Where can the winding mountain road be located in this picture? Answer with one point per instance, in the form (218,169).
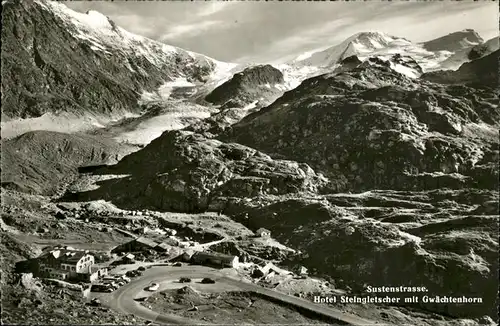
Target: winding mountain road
(123,298)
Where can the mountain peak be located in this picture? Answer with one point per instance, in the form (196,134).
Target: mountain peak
(371,39)
(454,41)
(359,43)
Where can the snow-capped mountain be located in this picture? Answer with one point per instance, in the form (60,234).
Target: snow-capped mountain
(99,66)
(358,44)
(104,35)
(447,52)
(454,41)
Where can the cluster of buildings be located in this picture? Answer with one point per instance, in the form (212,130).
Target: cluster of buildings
(66,263)
(70,264)
(144,244)
(171,245)
(212,259)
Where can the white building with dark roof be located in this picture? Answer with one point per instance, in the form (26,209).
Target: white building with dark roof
(65,263)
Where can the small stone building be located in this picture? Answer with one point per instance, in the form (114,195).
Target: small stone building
(263,233)
(300,270)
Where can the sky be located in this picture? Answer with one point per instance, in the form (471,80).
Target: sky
(258,31)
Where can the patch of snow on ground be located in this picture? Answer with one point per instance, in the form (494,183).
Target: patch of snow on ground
(407,71)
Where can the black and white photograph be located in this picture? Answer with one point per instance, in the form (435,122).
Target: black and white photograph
(250,163)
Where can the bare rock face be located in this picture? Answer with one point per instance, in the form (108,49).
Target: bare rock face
(371,127)
(484,49)
(251,84)
(183,171)
(97,69)
(391,238)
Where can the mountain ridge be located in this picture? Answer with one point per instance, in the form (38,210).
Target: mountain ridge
(109,68)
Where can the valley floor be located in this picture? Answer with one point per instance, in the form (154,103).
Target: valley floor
(29,225)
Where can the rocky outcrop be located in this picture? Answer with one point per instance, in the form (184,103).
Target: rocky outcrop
(254,83)
(482,72)
(391,238)
(483,49)
(99,67)
(183,171)
(372,127)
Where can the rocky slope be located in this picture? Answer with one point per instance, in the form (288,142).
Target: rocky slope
(484,49)
(372,127)
(251,84)
(99,67)
(444,240)
(479,72)
(183,171)
(43,162)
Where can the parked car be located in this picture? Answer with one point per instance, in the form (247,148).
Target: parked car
(141,269)
(184,280)
(207,280)
(133,273)
(102,288)
(178,264)
(110,282)
(110,278)
(153,287)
